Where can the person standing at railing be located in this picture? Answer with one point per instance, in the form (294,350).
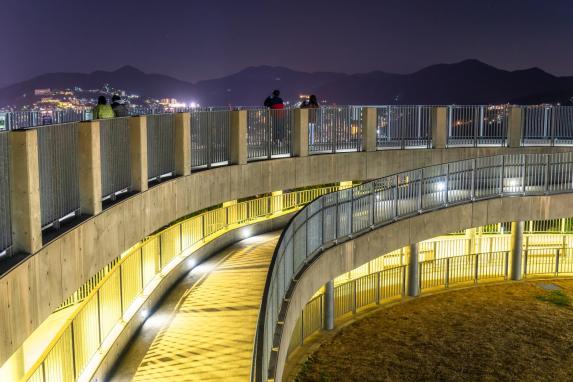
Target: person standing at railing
(119,107)
(102,109)
(277,117)
(311,103)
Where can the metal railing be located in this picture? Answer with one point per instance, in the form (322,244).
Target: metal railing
(269,133)
(389,284)
(58,156)
(118,291)
(339,216)
(25,119)
(478,125)
(547,125)
(160,145)
(403,127)
(5,211)
(334,129)
(115,156)
(210,138)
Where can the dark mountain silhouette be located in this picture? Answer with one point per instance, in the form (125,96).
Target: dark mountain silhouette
(466,82)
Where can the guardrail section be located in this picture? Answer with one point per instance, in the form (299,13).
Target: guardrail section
(210,138)
(403,127)
(160,145)
(115,158)
(59,178)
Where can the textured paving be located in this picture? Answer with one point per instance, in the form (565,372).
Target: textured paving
(208,330)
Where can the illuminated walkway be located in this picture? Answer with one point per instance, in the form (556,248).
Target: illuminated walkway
(205,329)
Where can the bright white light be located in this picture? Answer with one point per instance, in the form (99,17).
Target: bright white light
(512,183)
(192,105)
(191,263)
(440,186)
(144,313)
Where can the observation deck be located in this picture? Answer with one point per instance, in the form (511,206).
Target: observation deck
(103,217)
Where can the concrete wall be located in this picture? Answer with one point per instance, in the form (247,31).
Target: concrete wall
(40,283)
(351,254)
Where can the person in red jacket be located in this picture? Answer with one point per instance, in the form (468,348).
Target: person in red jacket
(275,101)
(277,120)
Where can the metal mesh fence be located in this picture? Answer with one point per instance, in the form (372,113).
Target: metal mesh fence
(160,145)
(5,226)
(269,133)
(334,129)
(477,125)
(59,179)
(210,136)
(403,126)
(115,156)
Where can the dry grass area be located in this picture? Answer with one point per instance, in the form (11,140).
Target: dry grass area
(505,332)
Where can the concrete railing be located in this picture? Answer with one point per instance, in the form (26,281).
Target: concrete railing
(347,214)
(75,169)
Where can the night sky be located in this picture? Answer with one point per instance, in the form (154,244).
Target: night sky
(194,40)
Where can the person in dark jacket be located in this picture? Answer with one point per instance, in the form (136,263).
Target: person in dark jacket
(102,110)
(311,103)
(119,107)
(275,101)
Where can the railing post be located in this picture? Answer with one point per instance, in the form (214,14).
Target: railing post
(447,280)
(476,271)
(369,128)
(90,168)
(138,153)
(439,127)
(354,296)
(557,255)
(378,287)
(516,250)
(238,141)
(413,288)
(328,308)
(300,133)
(183,144)
(25,203)
(516,126)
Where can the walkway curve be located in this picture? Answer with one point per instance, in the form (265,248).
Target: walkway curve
(392,212)
(205,329)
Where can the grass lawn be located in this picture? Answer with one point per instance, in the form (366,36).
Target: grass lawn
(506,332)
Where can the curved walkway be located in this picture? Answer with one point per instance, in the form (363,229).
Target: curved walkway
(205,329)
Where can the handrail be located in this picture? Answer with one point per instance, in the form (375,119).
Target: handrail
(346,214)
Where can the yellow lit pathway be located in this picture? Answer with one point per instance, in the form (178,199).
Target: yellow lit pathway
(207,334)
